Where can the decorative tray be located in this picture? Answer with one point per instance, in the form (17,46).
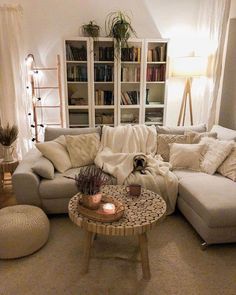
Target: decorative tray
(99,214)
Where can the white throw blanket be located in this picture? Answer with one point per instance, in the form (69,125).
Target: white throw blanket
(121,144)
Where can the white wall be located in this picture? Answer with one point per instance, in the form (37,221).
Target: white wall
(47,22)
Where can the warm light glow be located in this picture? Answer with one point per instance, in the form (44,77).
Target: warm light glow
(190,66)
(109,208)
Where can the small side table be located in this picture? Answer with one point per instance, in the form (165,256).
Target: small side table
(7,167)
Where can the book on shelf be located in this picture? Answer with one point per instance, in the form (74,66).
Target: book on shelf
(76,53)
(104,97)
(130,98)
(103,73)
(157,54)
(156,73)
(130,74)
(77,73)
(131,54)
(106,53)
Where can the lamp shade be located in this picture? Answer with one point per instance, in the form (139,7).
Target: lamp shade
(189,66)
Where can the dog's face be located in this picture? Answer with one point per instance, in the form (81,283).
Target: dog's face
(139,162)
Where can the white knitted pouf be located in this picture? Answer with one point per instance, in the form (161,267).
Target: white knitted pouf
(23,230)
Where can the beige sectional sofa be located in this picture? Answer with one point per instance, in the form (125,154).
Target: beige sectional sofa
(207,201)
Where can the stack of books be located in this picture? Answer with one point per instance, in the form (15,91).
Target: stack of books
(131,54)
(103,73)
(130,97)
(77,73)
(104,97)
(156,73)
(106,53)
(130,74)
(76,53)
(157,54)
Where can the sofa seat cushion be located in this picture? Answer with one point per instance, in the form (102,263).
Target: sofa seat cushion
(61,187)
(212,197)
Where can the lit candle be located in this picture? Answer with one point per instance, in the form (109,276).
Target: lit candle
(109,208)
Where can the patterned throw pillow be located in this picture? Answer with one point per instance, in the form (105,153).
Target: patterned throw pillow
(195,137)
(228,167)
(163,141)
(82,148)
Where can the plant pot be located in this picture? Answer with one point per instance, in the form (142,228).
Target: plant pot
(8,153)
(91,201)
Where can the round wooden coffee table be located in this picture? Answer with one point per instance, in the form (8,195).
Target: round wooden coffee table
(141,214)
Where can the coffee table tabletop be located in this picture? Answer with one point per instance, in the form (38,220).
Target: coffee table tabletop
(141,214)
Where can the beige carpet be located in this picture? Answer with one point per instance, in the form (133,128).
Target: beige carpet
(178,266)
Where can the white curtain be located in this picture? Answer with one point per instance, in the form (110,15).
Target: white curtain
(211,33)
(13,104)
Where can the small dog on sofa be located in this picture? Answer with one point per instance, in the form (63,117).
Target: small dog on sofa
(140,163)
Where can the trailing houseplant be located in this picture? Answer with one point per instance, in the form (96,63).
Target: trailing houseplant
(8,135)
(89,182)
(118,25)
(91,29)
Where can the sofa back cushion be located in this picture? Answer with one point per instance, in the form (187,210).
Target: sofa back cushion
(82,148)
(195,137)
(181,129)
(53,133)
(224,133)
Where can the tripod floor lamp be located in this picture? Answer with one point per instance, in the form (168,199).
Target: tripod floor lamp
(188,67)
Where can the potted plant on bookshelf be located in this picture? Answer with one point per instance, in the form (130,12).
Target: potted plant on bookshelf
(91,29)
(89,182)
(118,25)
(8,135)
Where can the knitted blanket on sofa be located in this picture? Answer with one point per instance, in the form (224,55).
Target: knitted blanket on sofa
(119,147)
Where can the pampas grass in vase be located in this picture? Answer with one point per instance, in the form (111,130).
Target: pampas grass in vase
(8,136)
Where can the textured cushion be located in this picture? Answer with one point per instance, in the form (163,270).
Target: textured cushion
(187,156)
(224,133)
(53,133)
(212,197)
(163,141)
(180,129)
(216,153)
(82,148)
(56,152)
(44,168)
(228,167)
(195,137)
(23,230)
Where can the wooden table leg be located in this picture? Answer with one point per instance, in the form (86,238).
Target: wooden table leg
(143,244)
(87,250)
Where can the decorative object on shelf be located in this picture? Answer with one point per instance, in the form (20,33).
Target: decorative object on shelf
(8,135)
(188,67)
(91,29)
(118,25)
(109,209)
(89,182)
(134,190)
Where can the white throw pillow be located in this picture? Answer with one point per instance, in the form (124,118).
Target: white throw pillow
(44,168)
(195,137)
(82,148)
(228,167)
(216,153)
(56,152)
(187,156)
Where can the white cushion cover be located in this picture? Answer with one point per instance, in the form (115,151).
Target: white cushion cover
(216,153)
(228,167)
(224,133)
(180,129)
(44,168)
(56,152)
(82,148)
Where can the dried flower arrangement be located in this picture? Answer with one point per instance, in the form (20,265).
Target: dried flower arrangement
(90,179)
(8,134)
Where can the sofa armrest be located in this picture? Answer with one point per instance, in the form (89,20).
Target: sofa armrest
(25,182)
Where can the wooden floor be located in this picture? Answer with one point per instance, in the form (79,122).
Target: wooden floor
(7,197)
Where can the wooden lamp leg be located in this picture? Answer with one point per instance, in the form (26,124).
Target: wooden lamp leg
(186,96)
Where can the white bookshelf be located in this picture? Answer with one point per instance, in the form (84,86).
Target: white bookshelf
(114,89)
